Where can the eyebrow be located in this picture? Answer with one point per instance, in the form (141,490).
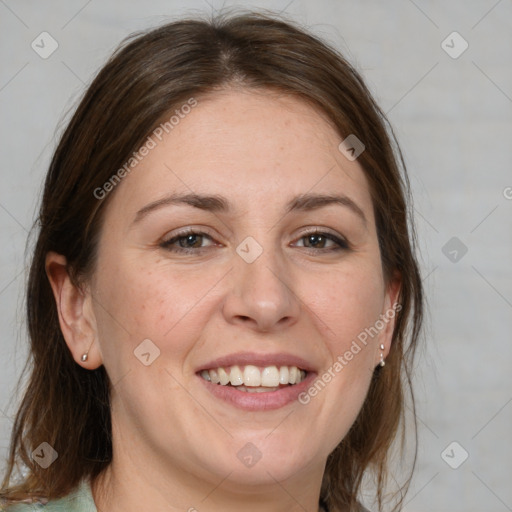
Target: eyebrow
(219,204)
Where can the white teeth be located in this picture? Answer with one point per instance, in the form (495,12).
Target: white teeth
(284,374)
(236,376)
(223,376)
(252,376)
(214,376)
(270,377)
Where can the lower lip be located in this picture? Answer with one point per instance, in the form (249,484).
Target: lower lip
(266,401)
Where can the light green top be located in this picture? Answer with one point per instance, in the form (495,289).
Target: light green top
(79,500)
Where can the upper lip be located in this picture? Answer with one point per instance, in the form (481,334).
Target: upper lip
(253,358)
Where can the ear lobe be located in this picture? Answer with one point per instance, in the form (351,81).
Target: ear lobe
(76,317)
(388,316)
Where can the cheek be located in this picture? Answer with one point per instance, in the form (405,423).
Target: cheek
(347,302)
(153,302)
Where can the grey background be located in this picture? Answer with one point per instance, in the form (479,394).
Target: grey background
(453,120)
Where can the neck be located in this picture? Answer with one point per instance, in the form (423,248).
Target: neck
(144,490)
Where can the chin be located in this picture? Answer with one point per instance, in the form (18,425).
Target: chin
(263,458)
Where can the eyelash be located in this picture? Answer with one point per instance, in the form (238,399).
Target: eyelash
(342,245)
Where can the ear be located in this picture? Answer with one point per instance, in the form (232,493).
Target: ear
(76,315)
(388,316)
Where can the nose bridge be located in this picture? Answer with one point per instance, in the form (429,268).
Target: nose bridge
(263,278)
(261,293)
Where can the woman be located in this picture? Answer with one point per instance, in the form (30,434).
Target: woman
(224,301)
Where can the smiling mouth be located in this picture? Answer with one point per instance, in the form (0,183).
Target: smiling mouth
(255,379)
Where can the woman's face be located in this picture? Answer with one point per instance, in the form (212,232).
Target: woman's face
(208,268)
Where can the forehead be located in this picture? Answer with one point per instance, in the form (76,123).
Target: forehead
(256,147)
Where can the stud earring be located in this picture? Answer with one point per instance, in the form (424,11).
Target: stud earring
(85,355)
(382,362)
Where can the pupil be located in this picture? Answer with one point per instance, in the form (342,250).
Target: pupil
(314,239)
(191,240)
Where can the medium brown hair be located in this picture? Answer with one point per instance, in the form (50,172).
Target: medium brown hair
(148,76)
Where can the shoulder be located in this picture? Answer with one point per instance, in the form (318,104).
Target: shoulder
(80,500)
(21,507)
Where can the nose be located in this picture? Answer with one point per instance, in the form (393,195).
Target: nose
(261,294)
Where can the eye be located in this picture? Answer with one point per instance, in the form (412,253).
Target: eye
(323,241)
(191,241)
(187,242)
